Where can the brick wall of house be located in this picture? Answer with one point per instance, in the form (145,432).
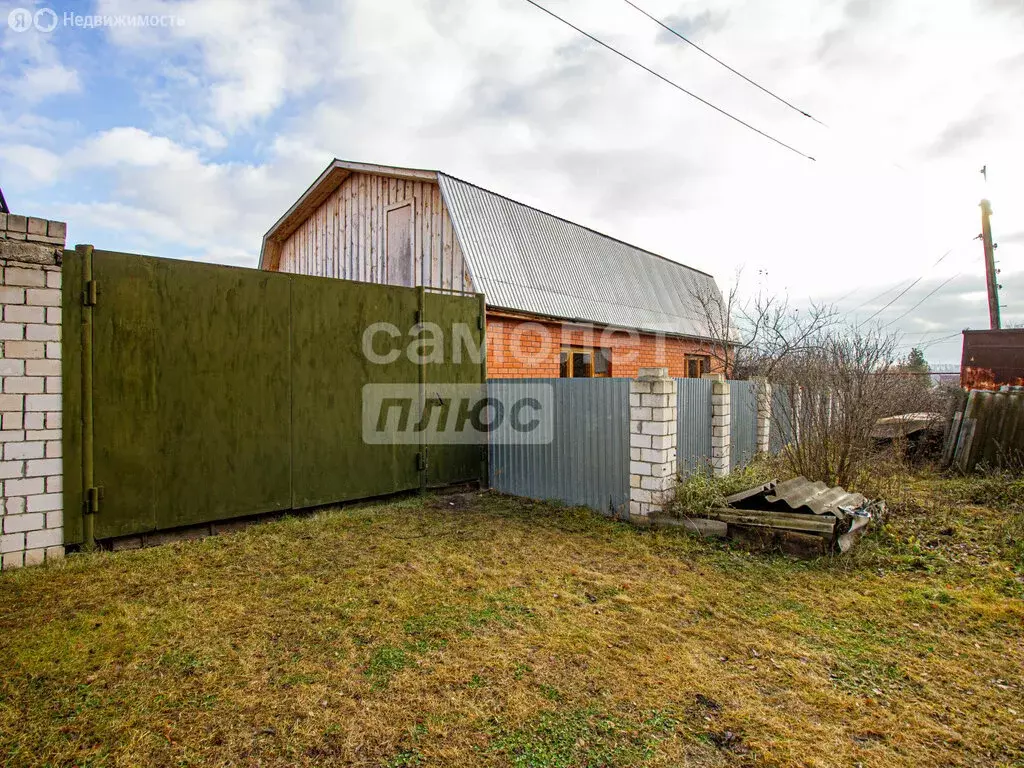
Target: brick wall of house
(519,347)
(31,498)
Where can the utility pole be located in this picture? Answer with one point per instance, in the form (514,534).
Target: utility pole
(990,266)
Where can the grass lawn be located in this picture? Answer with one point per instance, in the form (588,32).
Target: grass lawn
(481,630)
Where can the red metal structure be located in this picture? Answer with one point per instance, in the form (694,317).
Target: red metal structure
(992,359)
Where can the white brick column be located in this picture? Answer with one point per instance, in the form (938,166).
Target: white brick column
(652,441)
(31,499)
(764,414)
(721,408)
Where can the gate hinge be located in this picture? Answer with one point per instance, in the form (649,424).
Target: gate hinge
(92,500)
(421,460)
(417,317)
(480,322)
(91,293)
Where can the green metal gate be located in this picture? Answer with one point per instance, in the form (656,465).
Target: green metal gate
(201,393)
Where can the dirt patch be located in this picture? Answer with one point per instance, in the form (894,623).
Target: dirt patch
(455,502)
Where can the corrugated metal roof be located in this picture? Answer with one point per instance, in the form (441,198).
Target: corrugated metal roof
(526,260)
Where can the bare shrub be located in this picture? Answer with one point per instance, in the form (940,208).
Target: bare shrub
(833,381)
(835,392)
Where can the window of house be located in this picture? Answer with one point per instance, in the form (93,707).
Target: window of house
(585,363)
(399,245)
(697,366)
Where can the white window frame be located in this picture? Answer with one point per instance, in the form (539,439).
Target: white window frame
(410,201)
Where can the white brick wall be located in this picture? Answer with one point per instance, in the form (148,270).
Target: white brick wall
(31,501)
(652,441)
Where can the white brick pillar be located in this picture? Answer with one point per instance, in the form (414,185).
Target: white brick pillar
(721,408)
(31,499)
(764,414)
(652,441)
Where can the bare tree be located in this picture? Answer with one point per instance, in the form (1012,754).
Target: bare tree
(714,313)
(753,336)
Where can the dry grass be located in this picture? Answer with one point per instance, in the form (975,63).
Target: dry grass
(501,632)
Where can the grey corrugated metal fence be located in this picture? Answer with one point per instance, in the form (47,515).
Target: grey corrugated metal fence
(587,462)
(693,413)
(742,422)
(780,428)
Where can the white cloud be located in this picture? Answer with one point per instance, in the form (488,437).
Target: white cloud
(30,65)
(133,147)
(254,55)
(42,82)
(165,198)
(39,166)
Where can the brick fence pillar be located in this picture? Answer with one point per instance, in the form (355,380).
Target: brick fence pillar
(652,441)
(764,414)
(31,498)
(721,449)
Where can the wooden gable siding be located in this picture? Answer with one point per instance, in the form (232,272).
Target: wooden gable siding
(345,236)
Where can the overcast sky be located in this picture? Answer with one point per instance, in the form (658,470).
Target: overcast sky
(189,140)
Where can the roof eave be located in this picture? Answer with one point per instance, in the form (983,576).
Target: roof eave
(523,314)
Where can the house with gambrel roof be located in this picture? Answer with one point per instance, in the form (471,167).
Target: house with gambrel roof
(561,298)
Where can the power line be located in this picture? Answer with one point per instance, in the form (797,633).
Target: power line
(892,301)
(928,343)
(891,288)
(902,293)
(873,298)
(927,333)
(942,285)
(665,26)
(664,79)
(933,342)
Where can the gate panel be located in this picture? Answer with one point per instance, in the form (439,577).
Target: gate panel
(463,364)
(191,392)
(220,392)
(330,461)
